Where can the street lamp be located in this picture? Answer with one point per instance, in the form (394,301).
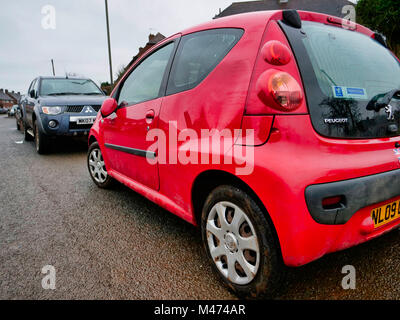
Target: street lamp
(109,44)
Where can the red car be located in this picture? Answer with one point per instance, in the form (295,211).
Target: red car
(278,133)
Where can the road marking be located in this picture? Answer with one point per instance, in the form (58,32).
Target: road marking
(19,142)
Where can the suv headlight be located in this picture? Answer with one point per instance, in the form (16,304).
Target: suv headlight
(52,110)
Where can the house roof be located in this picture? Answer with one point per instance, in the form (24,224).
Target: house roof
(153,40)
(331,7)
(4,96)
(15,95)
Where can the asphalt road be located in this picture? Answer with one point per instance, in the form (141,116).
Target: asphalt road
(117,245)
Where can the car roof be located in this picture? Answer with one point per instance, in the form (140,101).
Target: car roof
(254,19)
(67,78)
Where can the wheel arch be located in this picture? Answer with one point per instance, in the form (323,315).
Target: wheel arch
(92,139)
(207,181)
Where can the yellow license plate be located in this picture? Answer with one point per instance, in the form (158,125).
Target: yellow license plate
(385,214)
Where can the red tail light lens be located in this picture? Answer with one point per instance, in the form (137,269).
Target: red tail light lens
(279,90)
(276,53)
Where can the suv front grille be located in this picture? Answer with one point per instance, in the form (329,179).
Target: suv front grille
(78,109)
(74,109)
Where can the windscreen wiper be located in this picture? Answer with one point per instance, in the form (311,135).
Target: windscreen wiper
(64,94)
(381,101)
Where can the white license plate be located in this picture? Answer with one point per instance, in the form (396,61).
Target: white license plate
(85,120)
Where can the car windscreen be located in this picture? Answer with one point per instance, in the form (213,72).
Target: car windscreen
(54,87)
(346,76)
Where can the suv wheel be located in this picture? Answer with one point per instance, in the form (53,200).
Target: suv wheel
(240,244)
(97,167)
(41,140)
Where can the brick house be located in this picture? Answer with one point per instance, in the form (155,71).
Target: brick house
(331,7)
(6,101)
(15,96)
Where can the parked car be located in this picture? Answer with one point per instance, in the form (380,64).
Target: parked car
(56,106)
(322,172)
(18,118)
(3,110)
(12,110)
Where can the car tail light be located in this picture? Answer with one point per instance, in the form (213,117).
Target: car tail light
(279,90)
(276,53)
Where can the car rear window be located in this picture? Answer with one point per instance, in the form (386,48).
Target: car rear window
(198,54)
(344,72)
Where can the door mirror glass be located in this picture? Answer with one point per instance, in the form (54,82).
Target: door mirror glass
(108,107)
(32,93)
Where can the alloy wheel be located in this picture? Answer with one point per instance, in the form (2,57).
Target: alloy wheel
(233,243)
(97,166)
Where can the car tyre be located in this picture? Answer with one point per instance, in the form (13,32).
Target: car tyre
(42,142)
(97,168)
(242,248)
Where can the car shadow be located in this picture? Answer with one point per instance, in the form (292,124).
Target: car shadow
(68,145)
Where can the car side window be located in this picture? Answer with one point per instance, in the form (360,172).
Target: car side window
(198,54)
(36,87)
(31,87)
(145,80)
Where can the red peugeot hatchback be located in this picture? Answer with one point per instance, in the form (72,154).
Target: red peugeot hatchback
(278,133)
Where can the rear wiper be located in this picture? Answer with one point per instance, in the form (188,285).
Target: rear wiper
(92,93)
(381,101)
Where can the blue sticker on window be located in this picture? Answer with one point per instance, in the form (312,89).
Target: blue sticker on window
(338,92)
(356,91)
(349,93)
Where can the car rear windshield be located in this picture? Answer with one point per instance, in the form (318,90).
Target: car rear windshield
(54,87)
(347,76)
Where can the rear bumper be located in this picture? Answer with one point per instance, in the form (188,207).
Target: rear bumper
(356,194)
(296,169)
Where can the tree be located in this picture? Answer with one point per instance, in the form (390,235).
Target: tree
(106,86)
(382,16)
(120,73)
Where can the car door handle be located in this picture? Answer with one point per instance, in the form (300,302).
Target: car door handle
(150,116)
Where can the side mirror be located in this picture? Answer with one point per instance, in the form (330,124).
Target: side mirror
(32,93)
(108,107)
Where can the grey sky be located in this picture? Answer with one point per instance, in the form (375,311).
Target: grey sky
(79,43)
